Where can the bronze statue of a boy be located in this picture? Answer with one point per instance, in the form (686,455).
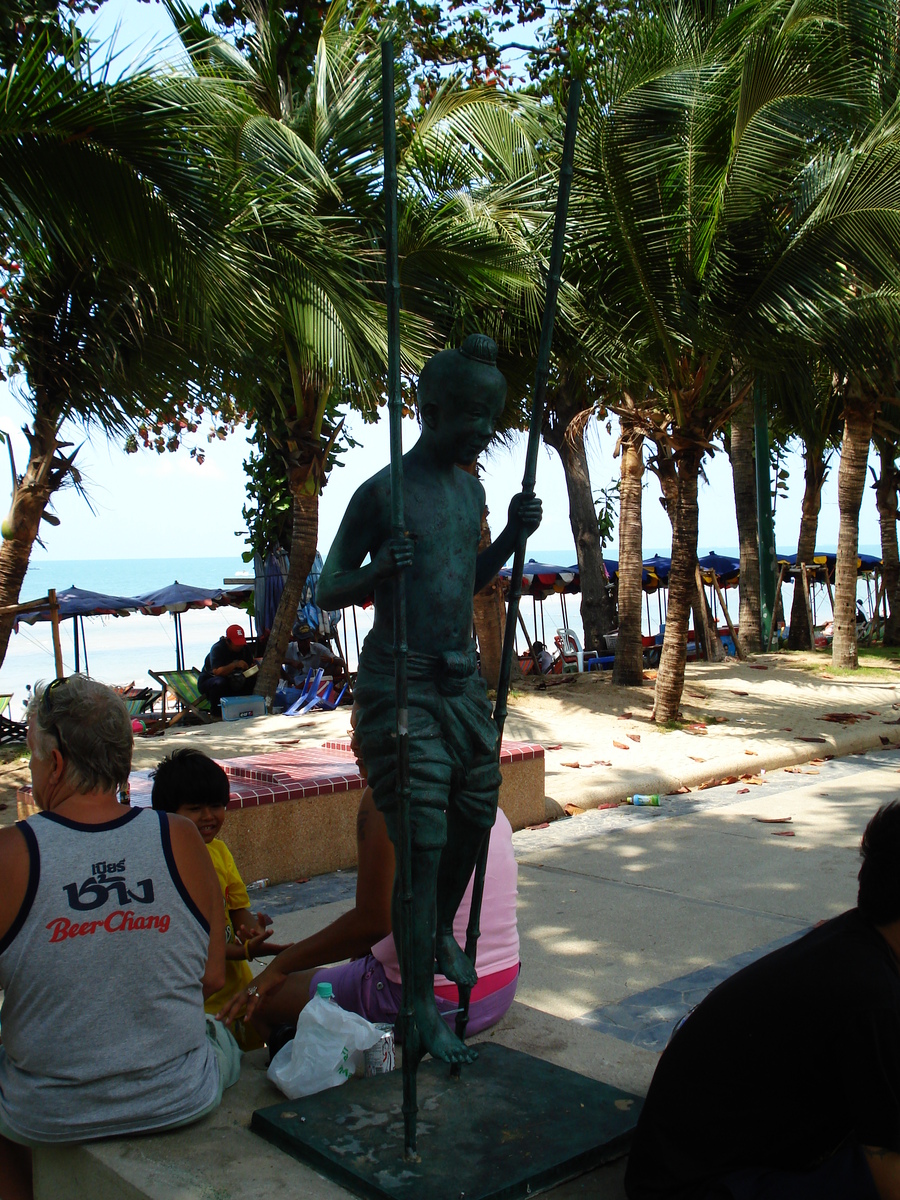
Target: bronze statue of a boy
(454,770)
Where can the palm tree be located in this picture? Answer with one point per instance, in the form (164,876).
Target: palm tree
(571,405)
(721,232)
(742,453)
(886,485)
(806,406)
(313,161)
(628,668)
(119,270)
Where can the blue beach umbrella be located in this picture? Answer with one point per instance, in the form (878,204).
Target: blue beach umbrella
(177,598)
(659,566)
(79,603)
(726,569)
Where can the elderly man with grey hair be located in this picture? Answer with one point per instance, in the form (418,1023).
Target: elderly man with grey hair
(101,901)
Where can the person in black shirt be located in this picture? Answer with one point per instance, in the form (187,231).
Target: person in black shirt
(784,1083)
(224,667)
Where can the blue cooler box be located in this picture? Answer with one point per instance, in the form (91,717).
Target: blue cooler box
(236,708)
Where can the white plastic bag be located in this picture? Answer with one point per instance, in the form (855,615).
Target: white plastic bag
(325,1052)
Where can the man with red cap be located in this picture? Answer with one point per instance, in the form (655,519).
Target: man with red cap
(224,669)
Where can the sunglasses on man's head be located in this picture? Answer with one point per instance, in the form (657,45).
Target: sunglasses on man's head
(47,711)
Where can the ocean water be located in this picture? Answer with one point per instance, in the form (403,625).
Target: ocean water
(119,649)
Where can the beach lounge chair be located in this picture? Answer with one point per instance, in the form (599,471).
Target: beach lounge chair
(183,686)
(11,732)
(325,702)
(139,701)
(309,697)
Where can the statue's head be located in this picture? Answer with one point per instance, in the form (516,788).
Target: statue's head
(461,394)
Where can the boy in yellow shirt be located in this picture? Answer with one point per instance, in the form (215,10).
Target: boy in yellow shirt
(192,785)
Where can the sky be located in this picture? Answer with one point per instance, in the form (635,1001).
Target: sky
(162,506)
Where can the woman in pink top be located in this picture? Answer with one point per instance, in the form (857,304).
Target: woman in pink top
(370,983)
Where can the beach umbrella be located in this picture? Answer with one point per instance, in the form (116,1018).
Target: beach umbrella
(177,598)
(540,579)
(659,566)
(726,569)
(308,612)
(268,586)
(79,603)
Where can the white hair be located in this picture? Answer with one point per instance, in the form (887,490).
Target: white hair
(89,724)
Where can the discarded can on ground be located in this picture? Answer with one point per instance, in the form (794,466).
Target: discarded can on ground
(639,799)
(257,885)
(380,1057)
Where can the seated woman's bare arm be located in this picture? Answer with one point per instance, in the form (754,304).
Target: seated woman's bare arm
(199,877)
(353,933)
(885,1168)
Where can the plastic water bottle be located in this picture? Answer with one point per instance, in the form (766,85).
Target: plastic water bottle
(641,800)
(351,1064)
(325,991)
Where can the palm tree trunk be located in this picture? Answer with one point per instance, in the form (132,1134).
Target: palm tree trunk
(859,414)
(682,589)
(41,479)
(886,499)
(596,604)
(564,431)
(744,474)
(668,472)
(304,538)
(798,638)
(628,669)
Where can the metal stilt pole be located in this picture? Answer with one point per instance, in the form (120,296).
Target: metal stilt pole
(398,530)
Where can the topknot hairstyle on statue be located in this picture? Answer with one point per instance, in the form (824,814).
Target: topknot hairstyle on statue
(188,777)
(454,374)
(878,898)
(480,348)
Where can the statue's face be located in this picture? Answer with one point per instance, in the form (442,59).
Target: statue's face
(464,426)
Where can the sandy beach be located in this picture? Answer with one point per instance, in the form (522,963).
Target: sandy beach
(741,721)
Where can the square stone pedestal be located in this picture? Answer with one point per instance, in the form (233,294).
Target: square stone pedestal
(511,1126)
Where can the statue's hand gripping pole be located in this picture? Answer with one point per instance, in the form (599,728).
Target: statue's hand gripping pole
(541,376)
(398,530)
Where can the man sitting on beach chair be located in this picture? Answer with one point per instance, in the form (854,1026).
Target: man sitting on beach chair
(228,669)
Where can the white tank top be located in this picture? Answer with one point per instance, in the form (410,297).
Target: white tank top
(103,1025)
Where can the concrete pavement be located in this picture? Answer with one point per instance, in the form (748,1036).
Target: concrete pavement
(627,917)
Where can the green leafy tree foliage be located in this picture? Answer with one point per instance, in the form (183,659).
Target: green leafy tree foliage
(312,158)
(732,214)
(41,22)
(118,272)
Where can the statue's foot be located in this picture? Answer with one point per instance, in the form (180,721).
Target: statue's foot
(453,962)
(437,1039)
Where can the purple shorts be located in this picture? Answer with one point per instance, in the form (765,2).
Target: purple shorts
(361,986)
